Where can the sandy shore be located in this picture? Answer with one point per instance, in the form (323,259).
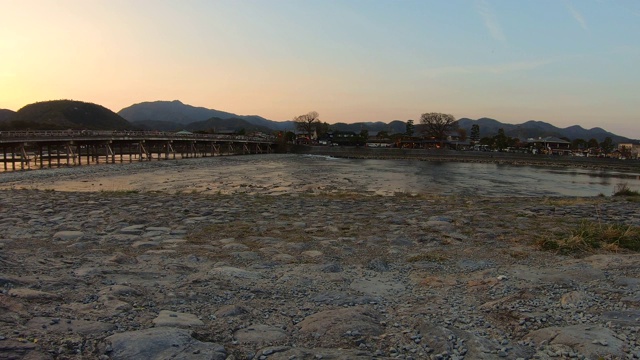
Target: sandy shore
(220,175)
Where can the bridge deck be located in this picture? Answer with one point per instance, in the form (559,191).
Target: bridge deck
(21,150)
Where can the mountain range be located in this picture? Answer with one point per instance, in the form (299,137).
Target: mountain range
(536,129)
(174,115)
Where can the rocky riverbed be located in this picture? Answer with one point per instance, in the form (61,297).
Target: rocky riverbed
(318,273)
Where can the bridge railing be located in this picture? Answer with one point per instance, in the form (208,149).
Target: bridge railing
(89,134)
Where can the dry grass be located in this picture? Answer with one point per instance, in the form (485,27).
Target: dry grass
(428,257)
(623,189)
(562,201)
(590,236)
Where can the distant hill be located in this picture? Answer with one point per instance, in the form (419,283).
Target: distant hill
(535,129)
(174,115)
(147,113)
(226,125)
(6,115)
(394,127)
(65,114)
(157,125)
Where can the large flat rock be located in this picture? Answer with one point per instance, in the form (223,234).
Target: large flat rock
(260,334)
(162,343)
(69,326)
(330,325)
(588,340)
(30,294)
(177,319)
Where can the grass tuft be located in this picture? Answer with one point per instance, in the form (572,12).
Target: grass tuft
(623,189)
(591,236)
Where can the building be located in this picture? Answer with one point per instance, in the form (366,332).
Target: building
(629,150)
(304,138)
(376,142)
(550,145)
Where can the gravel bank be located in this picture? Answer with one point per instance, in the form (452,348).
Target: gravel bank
(269,273)
(307,275)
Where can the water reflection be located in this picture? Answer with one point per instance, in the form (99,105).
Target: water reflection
(451,178)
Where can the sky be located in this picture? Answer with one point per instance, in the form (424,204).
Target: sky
(565,62)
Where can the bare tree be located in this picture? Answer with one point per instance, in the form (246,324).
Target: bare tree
(438,125)
(307,122)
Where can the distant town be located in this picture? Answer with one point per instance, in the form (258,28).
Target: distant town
(442,131)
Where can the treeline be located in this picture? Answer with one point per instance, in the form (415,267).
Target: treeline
(502,141)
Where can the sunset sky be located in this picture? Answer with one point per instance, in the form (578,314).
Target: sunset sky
(564,62)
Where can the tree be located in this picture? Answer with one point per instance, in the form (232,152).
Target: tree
(607,145)
(438,125)
(501,140)
(579,144)
(489,141)
(290,136)
(593,143)
(322,128)
(382,135)
(410,128)
(307,122)
(475,133)
(462,134)
(364,135)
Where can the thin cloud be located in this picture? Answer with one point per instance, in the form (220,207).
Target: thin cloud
(577,15)
(490,20)
(486,69)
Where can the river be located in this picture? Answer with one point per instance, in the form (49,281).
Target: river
(484,179)
(277,174)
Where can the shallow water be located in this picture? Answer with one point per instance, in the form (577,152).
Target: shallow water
(485,179)
(276,174)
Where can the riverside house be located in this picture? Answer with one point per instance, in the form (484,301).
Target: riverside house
(550,145)
(376,142)
(452,141)
(629,150)
(302,137)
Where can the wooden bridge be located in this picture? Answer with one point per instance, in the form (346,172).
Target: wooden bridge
(22,150)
